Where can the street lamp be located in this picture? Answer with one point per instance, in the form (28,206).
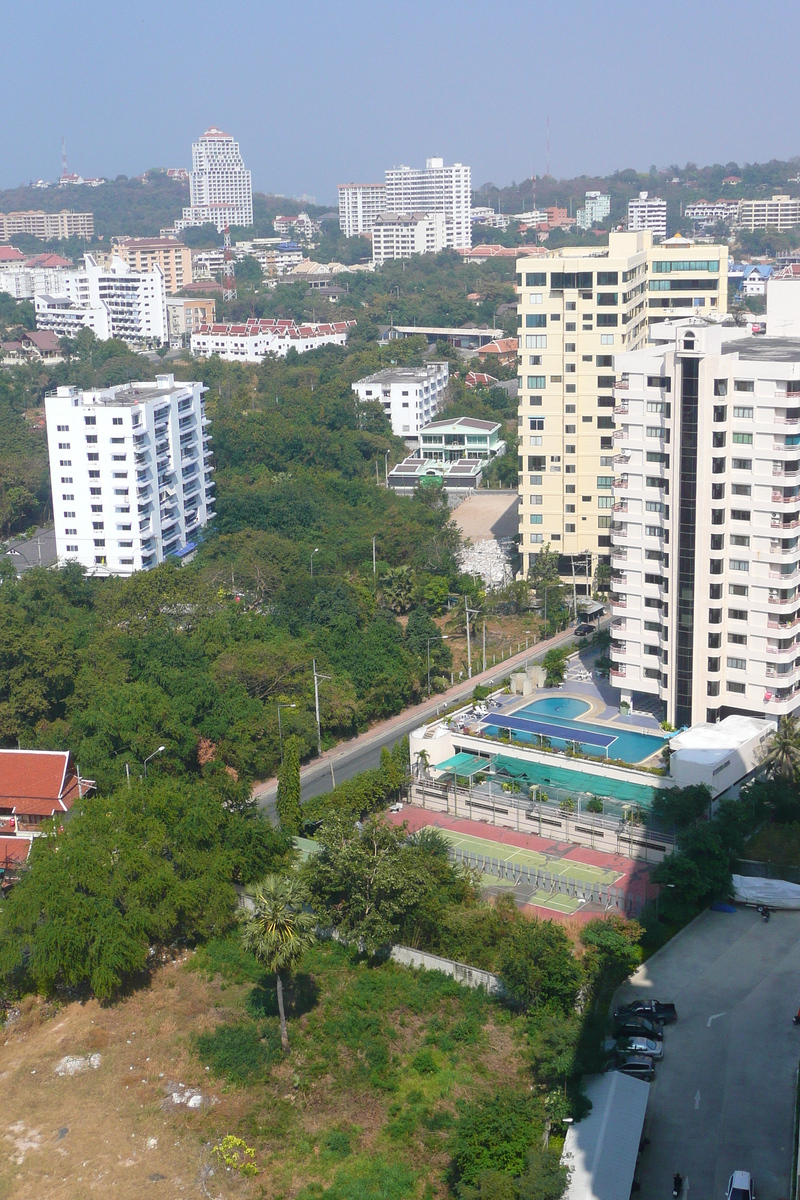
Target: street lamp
(386,466)
(280,731)
(317,677)
(316,551)
(160,750)
(444,637)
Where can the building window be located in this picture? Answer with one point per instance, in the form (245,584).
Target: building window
(606,319)
(738,639)
(569,528)
(604,522)
(738,589)
(742,439)
(90,420)
(536,341)
(535,320)
(606,339)
(535,279)
(735,687)
(605,481)
(740,514)
(536,382)
(536,518)
(737,614)
(116,420)
(535,298)
(743,385)
(605,501)
(739,564)
(739,539)
(653,506)
(537,537)
(745,413)
(741,489)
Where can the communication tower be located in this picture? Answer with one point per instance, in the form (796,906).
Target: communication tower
(228,275)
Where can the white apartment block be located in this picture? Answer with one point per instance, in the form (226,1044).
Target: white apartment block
(114,303)
(130,473)
(359,205)
(781,213)
(648,212)
(24,282)
(300,225)
(597,207)
(706,553)
(47,226)
(708,214)
(491,219)
(410,396)
(399,235)
(437,189)
(254,340)
(220,186)
(578,308)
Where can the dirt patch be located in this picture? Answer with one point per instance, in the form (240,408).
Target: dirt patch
(488,515)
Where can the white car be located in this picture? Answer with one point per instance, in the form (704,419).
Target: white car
(740,1187)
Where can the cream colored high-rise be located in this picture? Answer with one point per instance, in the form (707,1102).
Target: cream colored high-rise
(577,309)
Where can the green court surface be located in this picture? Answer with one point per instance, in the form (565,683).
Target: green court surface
(531,858)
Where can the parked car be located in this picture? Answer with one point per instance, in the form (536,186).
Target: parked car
(641,1066)
(653,1047)
(740,1187)
(638,1025)
(584,630)
(654,1010)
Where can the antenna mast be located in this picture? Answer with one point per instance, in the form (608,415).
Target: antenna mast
(548,143)
(63,158)
(228,276)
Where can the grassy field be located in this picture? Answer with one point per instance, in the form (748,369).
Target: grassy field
(362,1110)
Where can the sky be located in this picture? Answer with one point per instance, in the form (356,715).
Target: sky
(335,91)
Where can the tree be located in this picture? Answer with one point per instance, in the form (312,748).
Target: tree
(398,588)
(290,813)
(783,750)
(278,932)
(681,807)
(555,664)
(538,967)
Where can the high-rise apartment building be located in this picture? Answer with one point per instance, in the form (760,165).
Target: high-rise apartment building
(220,187)
(596,208)
(130,473)
(706,557)
(113,303)
(648,212)
(437,189)
(399,235)
(359,205)
(780,212)
(60,225)
(175,259)
(579,308)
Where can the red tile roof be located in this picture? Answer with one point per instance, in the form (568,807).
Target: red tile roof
(10,254)
(38,782)
(14,850)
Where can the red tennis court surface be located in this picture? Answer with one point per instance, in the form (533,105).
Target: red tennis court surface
(634,876)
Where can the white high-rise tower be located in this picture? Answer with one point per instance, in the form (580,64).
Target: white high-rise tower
(220,187)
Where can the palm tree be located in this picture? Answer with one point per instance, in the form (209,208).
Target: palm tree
(279,931)
(783,750)
(397,587)
(423,762)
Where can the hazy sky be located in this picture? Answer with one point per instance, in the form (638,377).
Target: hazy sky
(328,92)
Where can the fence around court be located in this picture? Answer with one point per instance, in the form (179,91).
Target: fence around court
(539,879)
(600,832)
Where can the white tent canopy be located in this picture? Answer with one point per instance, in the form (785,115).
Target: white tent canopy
(600,1151)
(775,893)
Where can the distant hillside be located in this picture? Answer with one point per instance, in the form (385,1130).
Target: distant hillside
(696,183)
(138,207)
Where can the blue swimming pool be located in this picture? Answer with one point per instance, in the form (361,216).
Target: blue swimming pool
(628,745)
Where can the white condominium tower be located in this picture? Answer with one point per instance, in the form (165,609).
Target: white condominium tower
(130,473)
(220,188)
(648,212)
(579,308)
(706,555)
(359,205)
(437,189)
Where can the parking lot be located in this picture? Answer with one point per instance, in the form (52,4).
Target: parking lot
(723,1096)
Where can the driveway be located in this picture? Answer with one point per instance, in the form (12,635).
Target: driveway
(723,1097)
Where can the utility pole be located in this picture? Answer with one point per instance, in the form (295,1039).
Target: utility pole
(317,678)
(484,645)
(374,562)
(470,612)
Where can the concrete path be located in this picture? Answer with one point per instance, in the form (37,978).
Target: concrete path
(363,752)
(724,1093)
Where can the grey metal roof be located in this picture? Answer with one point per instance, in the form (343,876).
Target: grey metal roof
(761,349)
(600,1151)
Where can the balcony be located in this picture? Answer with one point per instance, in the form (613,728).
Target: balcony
(779,472)
(622,482)
(791,624)
(774,673)
(621,385)
(620,552)
(781,498)
(622,410)
(619,434)
(618,672)
(622,457)
(619,601)
(620,506)
(787,575)
(776,601)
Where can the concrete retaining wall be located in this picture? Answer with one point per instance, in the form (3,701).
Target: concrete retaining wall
(470,976)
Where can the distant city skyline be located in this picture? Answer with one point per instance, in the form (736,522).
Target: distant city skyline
(356,90)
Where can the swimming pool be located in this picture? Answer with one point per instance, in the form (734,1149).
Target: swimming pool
(629,745)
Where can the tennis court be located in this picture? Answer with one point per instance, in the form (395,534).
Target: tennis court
(567,867)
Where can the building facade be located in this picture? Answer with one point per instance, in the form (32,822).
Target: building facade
(175,259)
(780,212)
(461,438)
(359,205)
(254,340)
(708,214)
(185,315)
(220,186)
(410,396)
(130,473)
(705,558)
(648,212)
(117,302)
(577,310)
(47,226)
(437,189)
(399,235)
(596,208)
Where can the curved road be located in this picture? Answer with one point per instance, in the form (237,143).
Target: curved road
(363,752)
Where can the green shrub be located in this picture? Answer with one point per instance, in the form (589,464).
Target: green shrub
(237,1053)
(424,1063)
(366,1179)
(337,1142)
(495,1132)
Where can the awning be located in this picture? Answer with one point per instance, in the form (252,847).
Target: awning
(513,768)
(463,764)
(600,1151)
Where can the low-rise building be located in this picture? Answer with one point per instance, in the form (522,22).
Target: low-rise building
(185,315)
(462,438)
(399,235)
(708,214)
(254,340)
(36,785)
(463,337)
(130,473)
(780,212)
(754,279)
(597,207)
(410,396)
(300,225)
(175,259)
(47,226)
(458,477)
(500,350)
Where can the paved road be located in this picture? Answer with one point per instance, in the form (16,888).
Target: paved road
(723,1098)
(363,752)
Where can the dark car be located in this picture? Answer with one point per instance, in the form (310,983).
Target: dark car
(653,1010)
(637,1027)
(641,1066)
(584,630)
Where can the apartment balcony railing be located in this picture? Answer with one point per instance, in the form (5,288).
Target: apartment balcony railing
(622,410)
(775,624)
(777,601)
(619,434)
(621,385)
(619,601)
(790,649)
(787,575)
(618,672)
(779,472)
(620,506)
(777,522)
(622,482)
(780,498)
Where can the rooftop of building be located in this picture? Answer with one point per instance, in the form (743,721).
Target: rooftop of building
(388,373)
(124,395)
(152,243)
(37,780)
(462,423)
(707,742)
(765,349)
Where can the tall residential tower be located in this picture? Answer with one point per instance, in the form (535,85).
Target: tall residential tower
(220,187)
